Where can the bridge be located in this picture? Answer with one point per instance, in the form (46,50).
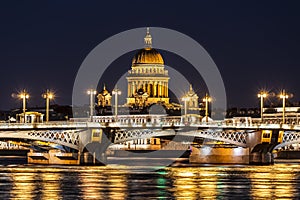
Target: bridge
(76,134)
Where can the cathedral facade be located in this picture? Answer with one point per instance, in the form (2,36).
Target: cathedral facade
(148,79)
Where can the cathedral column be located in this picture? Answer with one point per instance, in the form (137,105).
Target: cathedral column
(160,89)
(148,89)
(129,88)
(167,89)
(164,89)
(154,89)
(133,87)
(144,86)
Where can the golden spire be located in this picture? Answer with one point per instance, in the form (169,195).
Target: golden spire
(191,87)
(148,39)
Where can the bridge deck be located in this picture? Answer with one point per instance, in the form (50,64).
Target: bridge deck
(162,124)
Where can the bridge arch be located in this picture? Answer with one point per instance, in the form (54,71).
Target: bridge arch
(67,138)
(289,137)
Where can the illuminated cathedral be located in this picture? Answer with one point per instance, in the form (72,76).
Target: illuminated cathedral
(147,83)
(148,79)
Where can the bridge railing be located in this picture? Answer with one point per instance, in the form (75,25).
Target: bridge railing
(52,124)
(150,121)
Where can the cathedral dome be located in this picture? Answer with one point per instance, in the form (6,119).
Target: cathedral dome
(147,56)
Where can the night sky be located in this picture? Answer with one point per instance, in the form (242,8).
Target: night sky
(255,44)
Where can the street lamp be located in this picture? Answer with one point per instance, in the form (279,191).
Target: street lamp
(262,95)
(283,95)
(48,95)
(116,92)
(92,93)
(185,99)
(206,99)
(24,95)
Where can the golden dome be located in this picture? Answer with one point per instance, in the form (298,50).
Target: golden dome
(147,56)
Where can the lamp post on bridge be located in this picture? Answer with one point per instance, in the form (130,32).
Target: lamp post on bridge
(206,99)
(24,95)
(283,95)
(185,99)
(48,95)
(116,92)
(262,95)
(92,93)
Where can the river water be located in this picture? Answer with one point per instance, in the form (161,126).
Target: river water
(279,181)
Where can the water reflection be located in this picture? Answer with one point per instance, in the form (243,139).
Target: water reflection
(210,182)
(50,186)
(118,186)
(272,183)
(99,183)
(24,185)
(194,183)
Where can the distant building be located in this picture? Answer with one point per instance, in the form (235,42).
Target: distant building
(104,98)
(30,117)
(103,106)
(193,103)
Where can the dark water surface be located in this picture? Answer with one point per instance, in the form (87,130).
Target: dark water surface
(280,181)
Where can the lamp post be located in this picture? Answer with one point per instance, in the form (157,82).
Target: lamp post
(24,95)
(116,92)
(185,99)
(262,95)
(92,93)
(206,99)
(48,95)
(283,96)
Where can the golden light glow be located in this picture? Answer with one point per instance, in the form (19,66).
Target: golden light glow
(262,94)
(91,91)
(283,95)
(48,95)
(23,95)
(116,92)
(207,98)
(185,98)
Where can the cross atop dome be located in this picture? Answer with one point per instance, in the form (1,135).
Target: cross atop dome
(148,39)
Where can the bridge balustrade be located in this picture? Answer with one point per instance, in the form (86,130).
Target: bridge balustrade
(10,146)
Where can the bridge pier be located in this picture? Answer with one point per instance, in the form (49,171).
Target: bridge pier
(219,155)
(88,158)
(53,157)
(262,154)
(261,158)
